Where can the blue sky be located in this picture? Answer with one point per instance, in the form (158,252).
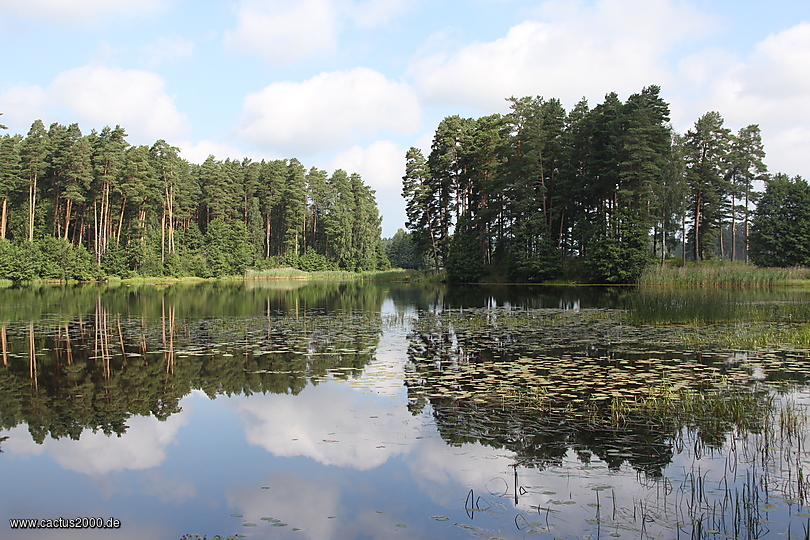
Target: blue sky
(353,83)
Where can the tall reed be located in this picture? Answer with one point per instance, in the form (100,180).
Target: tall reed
(732,275)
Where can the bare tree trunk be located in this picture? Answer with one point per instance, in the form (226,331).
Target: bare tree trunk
(3,217)
(747,229)
(267,236)
(32,202)
(120,221)
(68,209)
(733,229)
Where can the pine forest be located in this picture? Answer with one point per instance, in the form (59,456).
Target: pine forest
(82,207)
(594,194)
(540,193)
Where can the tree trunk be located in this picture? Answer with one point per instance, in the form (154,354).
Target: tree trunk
(120,221)
(32,202)
(747,230)
(733,229)
(3,217)
(68,208)
(267,236)
(697,227)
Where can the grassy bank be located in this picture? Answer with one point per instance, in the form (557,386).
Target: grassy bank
(727,274)
(377,275)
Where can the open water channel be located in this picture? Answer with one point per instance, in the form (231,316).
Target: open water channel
(326,410)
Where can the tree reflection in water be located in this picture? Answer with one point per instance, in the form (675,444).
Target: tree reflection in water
(125,351)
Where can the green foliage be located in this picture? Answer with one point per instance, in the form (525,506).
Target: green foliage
(781,229)
(312,261)
(17,261)
(145,211)
(534,259)
(114,262)
(58,259)
(402,252)
(622,253)
(464,261)
(47,259)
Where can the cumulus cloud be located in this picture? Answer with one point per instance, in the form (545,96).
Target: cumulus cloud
(199,151)
(283,32)
(771,87)
(326,111)
(135,99)
(570,50)
(143,446)
(79,10)
(329,424)
(95,96)
(20,105)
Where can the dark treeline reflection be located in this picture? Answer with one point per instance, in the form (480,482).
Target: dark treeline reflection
(432,297)
(545,381)
(89,357)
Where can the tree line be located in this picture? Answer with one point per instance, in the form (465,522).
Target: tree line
(591,193)
(76,206)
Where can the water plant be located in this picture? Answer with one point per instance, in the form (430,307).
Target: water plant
(724,274)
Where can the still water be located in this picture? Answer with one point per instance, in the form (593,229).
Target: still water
(349,410)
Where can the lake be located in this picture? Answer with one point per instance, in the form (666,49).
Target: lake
(343,410)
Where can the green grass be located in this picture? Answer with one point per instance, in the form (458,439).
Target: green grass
(397,274)
(724,274)
(294,273)
(749,337)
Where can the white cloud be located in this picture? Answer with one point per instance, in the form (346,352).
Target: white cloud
(770,88)
(437,468)
(381,165)
(79,10)
(326,111)
(330,424)
(143,446)
(573,50)
(21,104)
(135,99)
(199,151)
(167,49)
(283,32)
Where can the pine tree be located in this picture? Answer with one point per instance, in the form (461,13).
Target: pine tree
(33,153)
(746,167)
(422,206)
(109,146)
(9,175)
(294,201)
(706,156)
(781,225)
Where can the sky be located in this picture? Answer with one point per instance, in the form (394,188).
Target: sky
(353,84)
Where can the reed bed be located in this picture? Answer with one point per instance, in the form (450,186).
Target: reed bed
(729,275)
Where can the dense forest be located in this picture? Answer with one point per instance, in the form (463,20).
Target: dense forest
(76,206)
(594,194)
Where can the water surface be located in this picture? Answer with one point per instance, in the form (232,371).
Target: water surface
(349,410)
